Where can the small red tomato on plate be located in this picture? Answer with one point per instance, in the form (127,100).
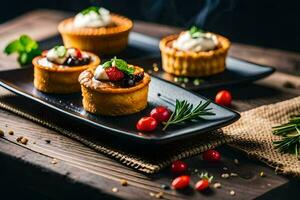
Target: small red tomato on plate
(160,113)
(223,98)
(146,124)
(181,182)
(211,155)
(202,185)
(178,167)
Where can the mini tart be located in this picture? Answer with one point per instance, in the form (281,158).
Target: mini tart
(193,64)
(104,99)
(104,40)
(60,80)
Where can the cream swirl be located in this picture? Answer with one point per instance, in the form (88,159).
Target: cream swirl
(93,18)
(205,42)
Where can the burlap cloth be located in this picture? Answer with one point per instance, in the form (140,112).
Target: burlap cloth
(253,135)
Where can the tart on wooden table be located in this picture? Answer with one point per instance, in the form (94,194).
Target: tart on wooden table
(114,88)
(96,30)
(194,53)
(57,70)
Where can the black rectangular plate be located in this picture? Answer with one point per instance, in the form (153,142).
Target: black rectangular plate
(143,46)
(19,81)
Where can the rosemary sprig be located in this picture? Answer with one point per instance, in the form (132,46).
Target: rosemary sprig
(185,111)
(290,132)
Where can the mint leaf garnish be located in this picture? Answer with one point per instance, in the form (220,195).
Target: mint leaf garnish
(196,32)
(60,51)
(90,9)
(26,47)
(120,64)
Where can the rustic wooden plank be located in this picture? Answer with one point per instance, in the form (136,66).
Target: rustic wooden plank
(83,163)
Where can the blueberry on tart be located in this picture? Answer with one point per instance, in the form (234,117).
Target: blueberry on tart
(114,88)
(57,70)
(97,30)
(194,53)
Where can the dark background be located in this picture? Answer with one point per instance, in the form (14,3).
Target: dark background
(269,23)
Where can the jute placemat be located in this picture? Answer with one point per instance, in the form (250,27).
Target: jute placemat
(133,156)
(253,135)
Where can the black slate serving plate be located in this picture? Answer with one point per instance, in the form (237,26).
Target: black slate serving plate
(143,50)
(20,82)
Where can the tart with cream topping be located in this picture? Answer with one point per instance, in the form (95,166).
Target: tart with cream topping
(194,53)
(57,70)
(96,30)
(114,88)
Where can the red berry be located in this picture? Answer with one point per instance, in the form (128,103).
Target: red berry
(146,124)
(223,98)
(211,155)
(78,53)
(181,182)
(201,185)
(178,167)
(114,74)
(160,113)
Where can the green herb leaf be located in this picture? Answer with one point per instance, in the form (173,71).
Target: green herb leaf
(60,51)
(26,47)
(290,133)
(120,64)
(185,111)
(14,46)
(195,32)
(90,9)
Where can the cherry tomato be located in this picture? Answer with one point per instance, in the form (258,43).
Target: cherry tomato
(223,98)
(211,155)
(202,185)
(160,113)
(181,182)
(178,167)
(146,124)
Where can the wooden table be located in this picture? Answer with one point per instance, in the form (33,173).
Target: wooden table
(83,173)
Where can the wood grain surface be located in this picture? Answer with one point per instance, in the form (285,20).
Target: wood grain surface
(83,173)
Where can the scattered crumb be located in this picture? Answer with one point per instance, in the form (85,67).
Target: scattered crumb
(33,142)
(262,174)
(225,168)
(225,175)
(24,140)
(164,187)
(236,161)
(232,192)
(10,132)
(233,174)
(155,67)
(123,182)
(54,161)
(196,170)
(115,189)
(217,185)
(1,133)
(48,141)
(182,84)
(269,184)
(19,138)
(151,194)
(159,195)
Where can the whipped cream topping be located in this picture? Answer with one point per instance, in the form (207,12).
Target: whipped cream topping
(100,73)
(205,42)
(93,19)
(53,56)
